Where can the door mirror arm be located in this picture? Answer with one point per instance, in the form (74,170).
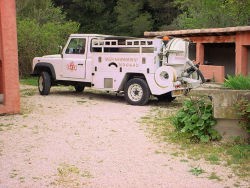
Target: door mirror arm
(60,48)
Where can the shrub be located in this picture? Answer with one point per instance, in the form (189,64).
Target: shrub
(36,40)
(238,82)
(196,119)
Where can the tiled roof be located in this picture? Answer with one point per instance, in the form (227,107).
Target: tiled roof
(199,32)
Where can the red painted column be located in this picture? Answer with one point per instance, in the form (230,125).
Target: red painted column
(1,64)
(200,53)
(241,60)
(242,40)
(9,58)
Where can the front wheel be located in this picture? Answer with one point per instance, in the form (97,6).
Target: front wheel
(137,92)
(44,83)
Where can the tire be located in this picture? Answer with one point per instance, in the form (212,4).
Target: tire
(167,97)
(79,87)
(137,92)
(44,83)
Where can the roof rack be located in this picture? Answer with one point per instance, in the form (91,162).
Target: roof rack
(123,43)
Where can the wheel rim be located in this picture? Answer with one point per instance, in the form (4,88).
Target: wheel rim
(40,84)
(135,92)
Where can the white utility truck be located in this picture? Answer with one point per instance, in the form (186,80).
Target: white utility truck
(137,67)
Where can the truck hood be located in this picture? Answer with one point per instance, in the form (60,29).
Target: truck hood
(52,56)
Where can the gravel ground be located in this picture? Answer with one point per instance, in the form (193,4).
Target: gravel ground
(90,140)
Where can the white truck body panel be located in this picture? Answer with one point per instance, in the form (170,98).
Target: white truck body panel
(105,61)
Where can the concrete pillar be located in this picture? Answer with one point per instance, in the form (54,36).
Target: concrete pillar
(9,58)
(200,53)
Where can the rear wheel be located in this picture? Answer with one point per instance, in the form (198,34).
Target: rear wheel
(79,87)
(137,92)
(44,83)
(165,97)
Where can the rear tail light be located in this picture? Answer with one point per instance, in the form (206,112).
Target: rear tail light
(177,84)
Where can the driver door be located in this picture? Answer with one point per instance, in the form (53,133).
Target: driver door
(74,59)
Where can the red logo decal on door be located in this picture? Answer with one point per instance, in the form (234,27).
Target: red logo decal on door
(71,66)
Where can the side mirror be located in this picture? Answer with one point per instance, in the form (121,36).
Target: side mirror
(60,48)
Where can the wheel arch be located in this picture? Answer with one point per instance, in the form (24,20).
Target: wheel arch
(43,66)
(129,76)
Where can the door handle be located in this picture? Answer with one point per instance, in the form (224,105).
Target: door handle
(80,64)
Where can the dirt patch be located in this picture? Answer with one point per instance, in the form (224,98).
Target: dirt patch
(93,140)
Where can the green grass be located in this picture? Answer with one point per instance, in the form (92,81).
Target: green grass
(235,154)
(238,82)
(197,171)
(29,81)
(6,126)
(81,101)
(70,176)
(13,173)
(28,92)
(66,169)
(213,158)
(240,154)
(214,176)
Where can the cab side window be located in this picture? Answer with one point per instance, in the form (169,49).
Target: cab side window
(76,46)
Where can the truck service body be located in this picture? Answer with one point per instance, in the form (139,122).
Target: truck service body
(139,67)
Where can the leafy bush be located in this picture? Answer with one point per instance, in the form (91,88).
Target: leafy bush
(42,11)
(41,27)
(238,82)
(196,118)
(37,40)
(243,111)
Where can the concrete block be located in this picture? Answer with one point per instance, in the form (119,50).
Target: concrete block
(230,129)
(223,100)
(226,112)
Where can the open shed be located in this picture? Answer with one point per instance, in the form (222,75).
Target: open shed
(9,82)
(220,51)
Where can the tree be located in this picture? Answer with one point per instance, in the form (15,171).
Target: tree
(212,13)
(95,16)
(119,17)
(42,11)
(131,18)
(41,27)
(163,13)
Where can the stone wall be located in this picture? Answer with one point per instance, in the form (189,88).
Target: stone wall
(224,101)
